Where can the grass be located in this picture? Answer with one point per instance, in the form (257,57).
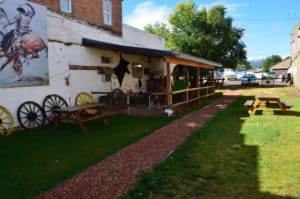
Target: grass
(36,160)
(234,156)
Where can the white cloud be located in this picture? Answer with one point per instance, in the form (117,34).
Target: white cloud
(233,9)
(147,13)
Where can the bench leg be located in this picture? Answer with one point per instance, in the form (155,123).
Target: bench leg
(281,107)
(83,128)
(250,110)
(105,121)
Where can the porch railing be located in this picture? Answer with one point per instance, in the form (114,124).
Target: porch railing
(175,98)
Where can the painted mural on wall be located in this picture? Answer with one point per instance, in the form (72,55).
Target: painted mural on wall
(23,44)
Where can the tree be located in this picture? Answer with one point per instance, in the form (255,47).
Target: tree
(243,65)
(159,29)
(270,61)
(206,33)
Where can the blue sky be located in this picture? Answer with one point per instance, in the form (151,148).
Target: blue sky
(267,23)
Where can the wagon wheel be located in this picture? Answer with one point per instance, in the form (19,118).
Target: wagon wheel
(6,121)
(30,114)
(52,102)
(84,98)
(118,97)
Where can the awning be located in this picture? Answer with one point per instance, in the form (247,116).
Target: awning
(170,56)
(124,48)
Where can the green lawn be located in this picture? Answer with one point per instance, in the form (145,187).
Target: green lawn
(34,161)
(234,156)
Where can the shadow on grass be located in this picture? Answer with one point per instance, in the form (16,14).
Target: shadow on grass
(288,113)
(213,163)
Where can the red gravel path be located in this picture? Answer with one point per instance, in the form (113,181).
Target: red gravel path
(119,172)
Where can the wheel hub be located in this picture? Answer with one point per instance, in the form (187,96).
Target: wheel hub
(32,116)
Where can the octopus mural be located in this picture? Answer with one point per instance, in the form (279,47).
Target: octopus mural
(23,44)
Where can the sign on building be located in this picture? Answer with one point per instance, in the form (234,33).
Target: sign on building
(23,44)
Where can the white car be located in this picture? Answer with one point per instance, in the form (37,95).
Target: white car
(227,73)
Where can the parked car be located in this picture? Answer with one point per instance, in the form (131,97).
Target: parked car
(240,74)
(271,75)
(227,73)
(248,79)
(261,75)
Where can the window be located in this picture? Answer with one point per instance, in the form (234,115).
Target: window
(137,70)
(107,12)
(66,6)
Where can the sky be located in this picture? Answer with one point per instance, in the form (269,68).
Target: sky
(268,23)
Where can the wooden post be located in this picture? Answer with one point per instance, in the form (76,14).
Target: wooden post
(187,98)
(207,92)
(198,83)
(213,77)
(169,86)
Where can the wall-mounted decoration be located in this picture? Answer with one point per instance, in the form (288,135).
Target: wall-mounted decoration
(137,70)
(121,69)
(23,44)
(106,59)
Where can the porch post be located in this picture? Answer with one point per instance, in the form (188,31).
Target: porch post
(169,84)
(198,83)
(214,81)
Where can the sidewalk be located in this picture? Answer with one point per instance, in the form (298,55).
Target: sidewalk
(119,172)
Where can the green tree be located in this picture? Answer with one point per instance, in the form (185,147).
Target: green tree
(270,61)
(244,65)
(206,33)
(160,29)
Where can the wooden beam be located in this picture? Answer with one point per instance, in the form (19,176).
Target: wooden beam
(188,63)
(77,67)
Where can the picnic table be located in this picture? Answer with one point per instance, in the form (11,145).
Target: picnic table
(264,99)
(81,114)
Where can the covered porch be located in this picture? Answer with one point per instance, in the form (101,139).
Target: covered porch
(181,80)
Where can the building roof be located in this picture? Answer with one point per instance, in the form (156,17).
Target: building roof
(147,51)
(284,64)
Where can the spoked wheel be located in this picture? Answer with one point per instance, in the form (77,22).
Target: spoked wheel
(30,115)
(6,121)
(84,98)
(52,102)
(118,97)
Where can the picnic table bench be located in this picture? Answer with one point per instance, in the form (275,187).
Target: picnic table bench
(81,114)
(267,98)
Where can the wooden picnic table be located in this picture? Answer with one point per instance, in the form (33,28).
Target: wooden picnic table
(81,114)
(264,99)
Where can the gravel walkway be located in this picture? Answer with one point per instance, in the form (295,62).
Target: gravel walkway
(119,172)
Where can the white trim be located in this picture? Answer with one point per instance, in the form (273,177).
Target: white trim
(70,6)
(109,14)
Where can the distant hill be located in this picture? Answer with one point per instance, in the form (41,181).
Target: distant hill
(256,63)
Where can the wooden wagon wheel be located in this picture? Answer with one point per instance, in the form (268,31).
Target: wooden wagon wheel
(84,98)
(52,102)
(30,114)
(118,97)
(6,121)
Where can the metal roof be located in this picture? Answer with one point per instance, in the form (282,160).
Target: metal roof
(146,51)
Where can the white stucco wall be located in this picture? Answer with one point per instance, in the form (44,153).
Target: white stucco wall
(65,37)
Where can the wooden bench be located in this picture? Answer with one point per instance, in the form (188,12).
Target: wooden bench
(287,105)
(250,105)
